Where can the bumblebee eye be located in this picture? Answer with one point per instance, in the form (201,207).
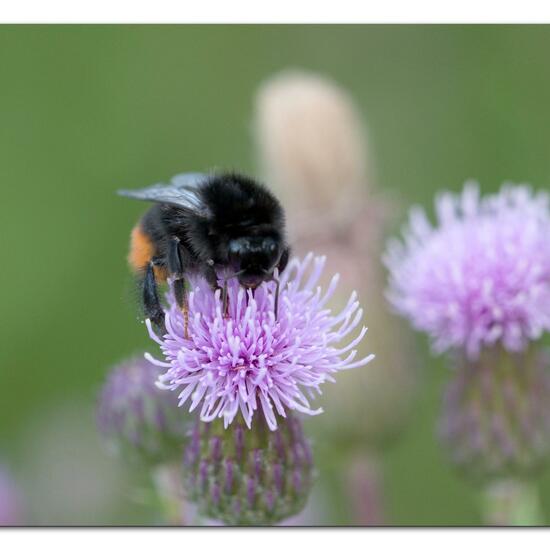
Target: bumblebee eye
(238,247)
(234,247)
(268,245)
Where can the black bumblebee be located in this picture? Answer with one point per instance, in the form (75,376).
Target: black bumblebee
(204,224)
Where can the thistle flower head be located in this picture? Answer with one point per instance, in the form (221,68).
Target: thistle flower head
(248,477)
(481,276)
(253,359)
(137,419)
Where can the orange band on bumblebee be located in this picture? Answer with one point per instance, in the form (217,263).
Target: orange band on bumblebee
(142,251)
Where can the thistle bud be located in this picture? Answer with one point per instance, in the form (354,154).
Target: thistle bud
(138,420)
(247,476)
(496,415)
(312,144)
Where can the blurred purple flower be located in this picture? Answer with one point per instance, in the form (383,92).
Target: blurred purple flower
(254,359)
(482,275)
(137,419)
(11,512)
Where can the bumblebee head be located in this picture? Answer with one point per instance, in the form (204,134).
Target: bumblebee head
(254,258)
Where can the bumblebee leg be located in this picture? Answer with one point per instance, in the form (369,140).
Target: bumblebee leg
(283,261)
(176,271)
(225,301)
(151,303)
(210,275)
(183,304)
(276,304)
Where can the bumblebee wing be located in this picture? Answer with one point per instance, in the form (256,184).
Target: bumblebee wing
(183,191)
(190,180)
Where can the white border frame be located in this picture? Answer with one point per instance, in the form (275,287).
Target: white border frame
(276,11)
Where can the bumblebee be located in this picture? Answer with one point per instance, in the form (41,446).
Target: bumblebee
(206,224)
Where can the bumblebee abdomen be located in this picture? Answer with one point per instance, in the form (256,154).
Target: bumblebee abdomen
(142,250)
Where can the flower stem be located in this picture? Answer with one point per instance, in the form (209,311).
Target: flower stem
(168,487)
(364,488)
(511,502)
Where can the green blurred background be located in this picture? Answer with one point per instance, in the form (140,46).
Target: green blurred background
(85,110)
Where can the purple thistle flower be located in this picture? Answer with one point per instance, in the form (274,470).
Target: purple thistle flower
(253,359)
(481,276)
